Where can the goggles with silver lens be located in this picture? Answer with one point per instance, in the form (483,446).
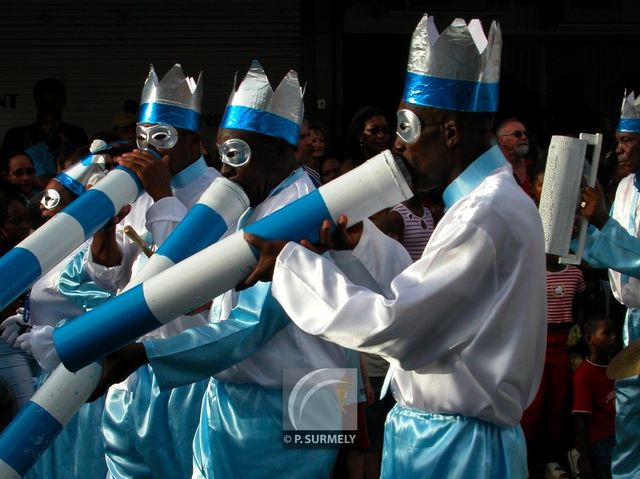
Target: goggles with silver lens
(234,152)
(409,126)
(161,136)
(50,199)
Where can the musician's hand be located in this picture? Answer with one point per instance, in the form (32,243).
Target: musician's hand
(343,237)
(104,247)
(118,366)
(592,206)
(269,251)
(154,174)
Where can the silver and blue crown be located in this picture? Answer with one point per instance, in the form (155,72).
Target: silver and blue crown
(456,70)
(630,114)
(175,100)
(255,106)
(91,168)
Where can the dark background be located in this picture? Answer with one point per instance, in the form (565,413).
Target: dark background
(565,63)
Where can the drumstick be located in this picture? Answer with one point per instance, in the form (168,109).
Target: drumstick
(135,237)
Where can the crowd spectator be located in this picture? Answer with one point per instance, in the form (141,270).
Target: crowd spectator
(368,134)
(17,168)
(16,367)
(594,400)
(304,152)
(124,122)
(513,139)
(330,169)
(318,145)
(49,137)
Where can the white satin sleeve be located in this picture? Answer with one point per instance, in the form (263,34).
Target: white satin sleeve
(382,256)
(111,278)
(159,218)
(42,347)
(456,278)
(163,216)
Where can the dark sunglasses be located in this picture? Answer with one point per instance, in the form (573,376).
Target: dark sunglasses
(518,133)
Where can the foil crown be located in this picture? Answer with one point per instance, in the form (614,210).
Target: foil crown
(89,170)
(175,100)
(458,69)
(255,106)
(630,114)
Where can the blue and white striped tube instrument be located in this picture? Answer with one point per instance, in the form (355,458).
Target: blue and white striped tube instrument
(379,183)
(64,392)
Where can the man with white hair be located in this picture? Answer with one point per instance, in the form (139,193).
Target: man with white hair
(513,139)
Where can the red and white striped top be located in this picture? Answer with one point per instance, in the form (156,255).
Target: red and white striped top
(562,287)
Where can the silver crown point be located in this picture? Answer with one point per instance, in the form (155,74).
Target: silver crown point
(431,52)
(255,88)
(255,92)
(287,98)
(630,106)
(174,89)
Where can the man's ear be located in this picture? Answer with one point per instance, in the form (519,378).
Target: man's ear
(451,132)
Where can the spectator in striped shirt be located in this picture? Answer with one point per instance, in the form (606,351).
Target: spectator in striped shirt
(545,421)
(411,224)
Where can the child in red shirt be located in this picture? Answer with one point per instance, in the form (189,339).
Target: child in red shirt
(594,400)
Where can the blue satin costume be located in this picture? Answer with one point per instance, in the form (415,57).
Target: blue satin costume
(78,451)
(240,430)
(467,447)
(148,432)
(616,248)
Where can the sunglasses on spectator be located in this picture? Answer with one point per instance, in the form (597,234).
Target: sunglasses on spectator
(22,172)
(518,133)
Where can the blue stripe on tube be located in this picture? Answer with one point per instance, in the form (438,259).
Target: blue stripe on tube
(92,210)
(202,227)
(127,317)
(19,268)
(27,436)
(309,211)
(104,329)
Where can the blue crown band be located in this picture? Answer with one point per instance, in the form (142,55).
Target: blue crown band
(71,183)
(260,121)
(88,158)
(447,94)
(631,125)
(169,115)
